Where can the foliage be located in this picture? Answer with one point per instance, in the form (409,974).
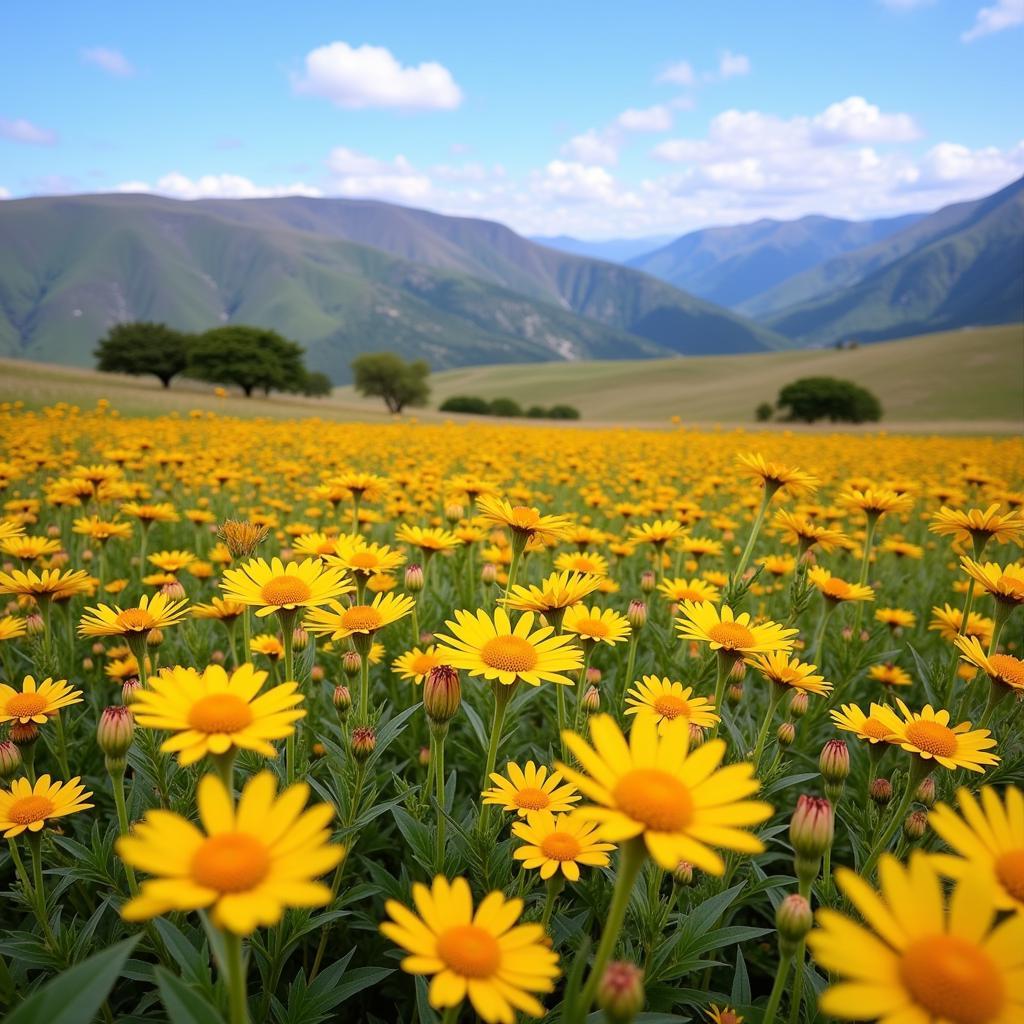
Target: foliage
(764,412)
(466,404)
(505,407)
(248,358)
(317,385)
(816,398)
(140,348)
(388,376)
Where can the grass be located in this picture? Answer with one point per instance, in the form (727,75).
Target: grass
(956,381)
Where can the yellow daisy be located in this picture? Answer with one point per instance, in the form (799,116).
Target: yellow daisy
(490,647)
(562,842)
(920,958)
(364,559)
(596,626)
(987,840)
(836,590)
(1003,669)
(36,703)
(788,673)
(946,622)
(774,475)
(25,807)
(276,586)
(156,612)
(868,727)
(1004,582)
(589,562)
(416,665)
(219,610)
(679,589)
(889,675)
(429,540)
(247,864)
(658,533)
(215,713)
(980,525)
(530,789)
(875,502)
(46,585)
(664,701)
(486,956)
(679,802)
(896,618)
(28,549)
(927,735)
(734,635)
(338,622)
(12,627)
(557,592)
(525,523)
(805,532)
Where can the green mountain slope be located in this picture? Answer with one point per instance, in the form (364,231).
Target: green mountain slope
(962,266)
(734,266)
(617,296)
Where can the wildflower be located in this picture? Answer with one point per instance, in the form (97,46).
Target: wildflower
(563,842)
(665,701)
(530,789)
(274,586)
(27,807)
(36,702)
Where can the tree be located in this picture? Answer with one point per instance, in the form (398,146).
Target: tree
(815,398)
(140,348)
(466,403)
(563,412)
(764,412)
(388,376)
(505,407)
(317,385)
(249,358)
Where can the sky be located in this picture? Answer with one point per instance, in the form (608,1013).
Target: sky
(595,119)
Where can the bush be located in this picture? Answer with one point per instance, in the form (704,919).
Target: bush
(317,385)
(563,412)
(388,376)
(537,412)
(816,398)
(764,412)
(505,407)
(466,403)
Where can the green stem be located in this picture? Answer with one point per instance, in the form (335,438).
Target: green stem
(117,783)
(554,887)
(723,668)
(918,770)
(437,738)
(62,746)
(631,859)
(234,970)
(798,983)
(777,693)
(776,997)
(451,1015)
(502,696)
(19,867)
(35,845)
(581,685)
(364,687)
(1000,614)
(996,693)
(755,529)
(865,564)
(630,664)
(287,620)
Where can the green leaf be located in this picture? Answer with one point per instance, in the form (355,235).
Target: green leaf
(184,1004)
(75,995)
(740,982)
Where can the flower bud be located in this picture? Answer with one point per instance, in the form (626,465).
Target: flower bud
(696,736)
(798,704)
(154,638)
(915,825)
(174,591)
(34,625)
(23,735)
(453,512)
(593,675)
(442,694)
(414,578)
(97,648)
(683,874)
(834,761)
(88,664)
(10,760)
(364,742)
(129,688)
(620,992)
(115,732)
(647,581)
(925,793)
(317,750)
(592,700)
(218,657)
(636,614)
(794,920)
(734,694)
(785,734)
(489,574)
(342,701)
(811,830)
(424,756)
(300,639)
(738,672)
(85,555)
(316,673)
(881,791)
(351,664)
(53,532)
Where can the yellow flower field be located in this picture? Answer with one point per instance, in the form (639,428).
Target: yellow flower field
(307,721)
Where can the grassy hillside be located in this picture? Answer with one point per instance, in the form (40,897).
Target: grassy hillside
(957,376)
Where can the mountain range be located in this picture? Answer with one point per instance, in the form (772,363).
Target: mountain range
(344,276)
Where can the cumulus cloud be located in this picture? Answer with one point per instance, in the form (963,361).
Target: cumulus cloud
(593,147)
(112,61)
(1001,15)
(732,65)
(680,73)
(20,130)
(215,186)
(356,174)
(649,119)
(362,77)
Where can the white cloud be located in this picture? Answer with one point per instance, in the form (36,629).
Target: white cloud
(856,120)
(20,130)
(215,186)
(680,73)
(4,193)
(949,163)
(649,119)
(112,61)
(362,77)
(593,147)
(731,65)
(356,174)
(1003,14)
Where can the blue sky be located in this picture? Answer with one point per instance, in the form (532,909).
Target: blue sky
(596,119)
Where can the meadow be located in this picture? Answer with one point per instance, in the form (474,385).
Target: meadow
(309,720)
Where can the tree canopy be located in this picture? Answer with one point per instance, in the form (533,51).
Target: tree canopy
(816,398)
(141,348)
(249,358)
(388,376)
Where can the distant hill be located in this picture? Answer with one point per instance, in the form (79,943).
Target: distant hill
(961,266)
(614,250)
(737,266)
(341,276)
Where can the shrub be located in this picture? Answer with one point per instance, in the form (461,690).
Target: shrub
(317,385)
(815,398)
(563,412)
(388,376)
(764,412)
(466,403)
(505,407)
(537,412)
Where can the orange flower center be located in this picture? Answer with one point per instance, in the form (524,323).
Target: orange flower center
(362,618)
(731,636)
(524,518)
(220,712)
(508,654)
(136,620)
(560,846)
(231,862)
(655,798)
(285,590)
(838,590)
(30,808)
(25,705)
(469,951)
(532,799)
(689,594)
(1009,670)
(363,560)
(424,663)
(932,738)
(597,629)
(668,705)
(874,728)
(952,979)
(1010,872)
(1012,587)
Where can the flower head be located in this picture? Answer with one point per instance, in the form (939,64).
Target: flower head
(530,789)
(25,807)
(560,842)
(275,586)
(775,476)
(790,673)
(559,591)
(339,622)
(1004,669)
(596,625)
(156,612)
(36,703)
(1004,582)
(928,735)
(836,590)
(735,635)
(524,522)
(980,525)
(665,701)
